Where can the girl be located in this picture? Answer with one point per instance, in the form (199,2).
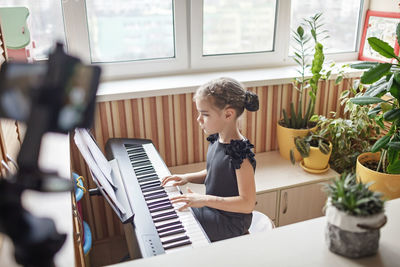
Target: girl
(226,209)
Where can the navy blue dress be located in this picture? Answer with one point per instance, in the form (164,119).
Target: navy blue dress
(221,180)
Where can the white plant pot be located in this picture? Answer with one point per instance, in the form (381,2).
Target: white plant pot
(353,236)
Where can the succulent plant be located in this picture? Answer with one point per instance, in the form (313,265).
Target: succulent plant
(353,197)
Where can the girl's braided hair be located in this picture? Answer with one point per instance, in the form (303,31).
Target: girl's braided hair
(227,92)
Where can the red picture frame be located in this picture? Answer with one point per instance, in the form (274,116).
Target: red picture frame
(373,28)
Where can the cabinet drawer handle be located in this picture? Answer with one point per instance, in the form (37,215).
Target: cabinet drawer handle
(285,200)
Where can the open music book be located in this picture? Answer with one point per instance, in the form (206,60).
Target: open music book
(105,174)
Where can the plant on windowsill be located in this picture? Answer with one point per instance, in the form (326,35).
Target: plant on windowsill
(315,151)
(354,215)
(350,136)
(297,124)
(382,82)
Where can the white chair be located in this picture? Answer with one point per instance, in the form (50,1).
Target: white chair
(260,223)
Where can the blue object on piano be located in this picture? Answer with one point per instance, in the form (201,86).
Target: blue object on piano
(87,245)
(87,233)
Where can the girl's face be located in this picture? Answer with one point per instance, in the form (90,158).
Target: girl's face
(210,119)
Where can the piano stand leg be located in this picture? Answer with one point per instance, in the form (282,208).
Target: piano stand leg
(131,241)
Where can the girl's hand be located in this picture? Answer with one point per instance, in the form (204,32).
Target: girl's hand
(190,199)
(179,180)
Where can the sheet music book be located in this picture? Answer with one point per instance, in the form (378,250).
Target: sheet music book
(98,164)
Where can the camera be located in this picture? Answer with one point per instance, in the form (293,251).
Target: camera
(56,96)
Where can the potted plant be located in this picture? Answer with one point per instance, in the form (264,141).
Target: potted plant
(382,83)
(350,135)
(354,215)
(297,124)
(315,151)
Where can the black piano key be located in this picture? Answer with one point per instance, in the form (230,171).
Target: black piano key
(136,164)
(142,164)
(152,178)
(150,189)
(142,181)
(157,205)
(163,214)
(154,193)
(146,176)
(164,230)
(185,243)
(166,200)
(142,169)
(165,218)
(150,184)
(140,160)
(169,224)
(147,173)
(167,207)
(173,240)
(155,197)
(172,233)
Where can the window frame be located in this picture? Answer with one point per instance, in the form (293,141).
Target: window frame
(276,57)
(188,44)
(76,27)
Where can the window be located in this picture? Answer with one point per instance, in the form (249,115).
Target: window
(340,18)
(238,34)
(246,27)
(123,30)
(136,38)
(45,23)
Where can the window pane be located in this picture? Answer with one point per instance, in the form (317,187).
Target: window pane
(45,23)
(238,26)
(340,18)
(122,30)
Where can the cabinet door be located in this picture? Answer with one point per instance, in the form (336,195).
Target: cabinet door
(266,203)
(301,203)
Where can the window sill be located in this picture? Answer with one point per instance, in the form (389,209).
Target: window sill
(187,83)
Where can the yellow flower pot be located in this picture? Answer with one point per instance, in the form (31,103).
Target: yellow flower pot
(317,160)
(286,137)
(388,184)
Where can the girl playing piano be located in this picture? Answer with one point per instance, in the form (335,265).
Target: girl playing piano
(225,210)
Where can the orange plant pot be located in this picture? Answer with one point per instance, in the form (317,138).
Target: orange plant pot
(317,160)
(388,184)
(286,137)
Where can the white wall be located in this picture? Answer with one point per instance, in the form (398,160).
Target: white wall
(385,5)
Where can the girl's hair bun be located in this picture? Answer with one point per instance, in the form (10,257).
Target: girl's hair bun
(251,101)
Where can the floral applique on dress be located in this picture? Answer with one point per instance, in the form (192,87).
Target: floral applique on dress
(238,150)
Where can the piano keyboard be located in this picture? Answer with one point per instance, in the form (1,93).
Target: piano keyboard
(171,230)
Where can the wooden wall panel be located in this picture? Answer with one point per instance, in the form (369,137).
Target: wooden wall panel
(171,123)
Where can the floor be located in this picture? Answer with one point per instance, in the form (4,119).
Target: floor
(108,251)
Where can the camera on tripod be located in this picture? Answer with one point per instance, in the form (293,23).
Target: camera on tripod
(56,96)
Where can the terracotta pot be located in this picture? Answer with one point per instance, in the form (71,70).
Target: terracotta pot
(388,184)
(286,137)
(317,160)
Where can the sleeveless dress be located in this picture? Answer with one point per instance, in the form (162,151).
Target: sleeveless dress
(221,180)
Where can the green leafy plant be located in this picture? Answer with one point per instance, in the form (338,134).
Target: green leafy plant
(353,197)
(382,89)
(296,120)
(350,136)
(303,144)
